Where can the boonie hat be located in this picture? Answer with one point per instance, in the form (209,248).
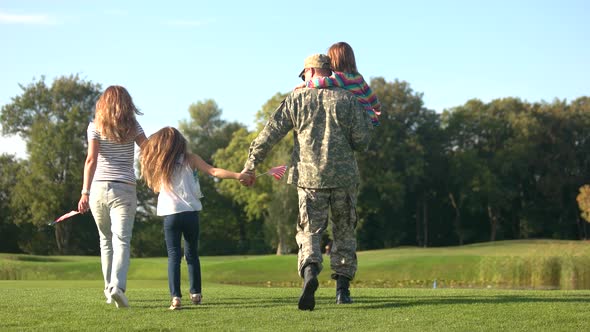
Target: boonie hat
(315,61)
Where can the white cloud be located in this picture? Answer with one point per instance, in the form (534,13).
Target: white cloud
(6,18)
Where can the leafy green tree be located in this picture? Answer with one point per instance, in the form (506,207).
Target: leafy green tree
(223,228)
(580,115)
(399,171)
(283,207)
(205,130)
(479,148)
(560,165)
(9,232)
(269,200)
(148,231)
(462,130)
(518,164)
(52,120)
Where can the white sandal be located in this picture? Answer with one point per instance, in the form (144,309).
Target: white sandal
(175,304)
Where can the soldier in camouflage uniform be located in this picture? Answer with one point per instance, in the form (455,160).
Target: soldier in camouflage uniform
(329,126)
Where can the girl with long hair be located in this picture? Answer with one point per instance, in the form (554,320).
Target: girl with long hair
(171,170)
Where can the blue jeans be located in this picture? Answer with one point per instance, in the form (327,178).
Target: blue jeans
(176,225)
(113,206)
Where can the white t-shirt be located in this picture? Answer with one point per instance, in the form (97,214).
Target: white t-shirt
(184,193)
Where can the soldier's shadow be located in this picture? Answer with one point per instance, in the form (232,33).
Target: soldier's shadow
(404,301)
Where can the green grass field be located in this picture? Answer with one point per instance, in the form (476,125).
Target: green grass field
(486,287)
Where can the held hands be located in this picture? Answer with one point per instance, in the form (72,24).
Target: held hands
(247,177)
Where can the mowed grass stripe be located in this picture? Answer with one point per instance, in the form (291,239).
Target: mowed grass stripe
(79,306)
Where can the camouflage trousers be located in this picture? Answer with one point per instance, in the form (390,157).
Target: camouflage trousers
(314,205)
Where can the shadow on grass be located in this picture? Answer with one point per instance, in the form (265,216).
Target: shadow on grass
(242,302)
(323,302)
(405,301)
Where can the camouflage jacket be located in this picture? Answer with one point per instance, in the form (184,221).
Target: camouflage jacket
(329,125)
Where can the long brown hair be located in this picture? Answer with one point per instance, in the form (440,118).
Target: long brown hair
(342,58)
(159,155)
(115,115)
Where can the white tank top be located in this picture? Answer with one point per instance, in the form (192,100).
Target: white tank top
(184,193)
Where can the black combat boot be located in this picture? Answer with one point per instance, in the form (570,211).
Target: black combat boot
(310,285)
(342,291)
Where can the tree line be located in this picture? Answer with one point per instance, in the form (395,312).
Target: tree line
(506,169)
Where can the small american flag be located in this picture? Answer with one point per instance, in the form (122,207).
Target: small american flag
(277,172)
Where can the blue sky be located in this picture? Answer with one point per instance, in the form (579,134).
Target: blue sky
(241,53)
